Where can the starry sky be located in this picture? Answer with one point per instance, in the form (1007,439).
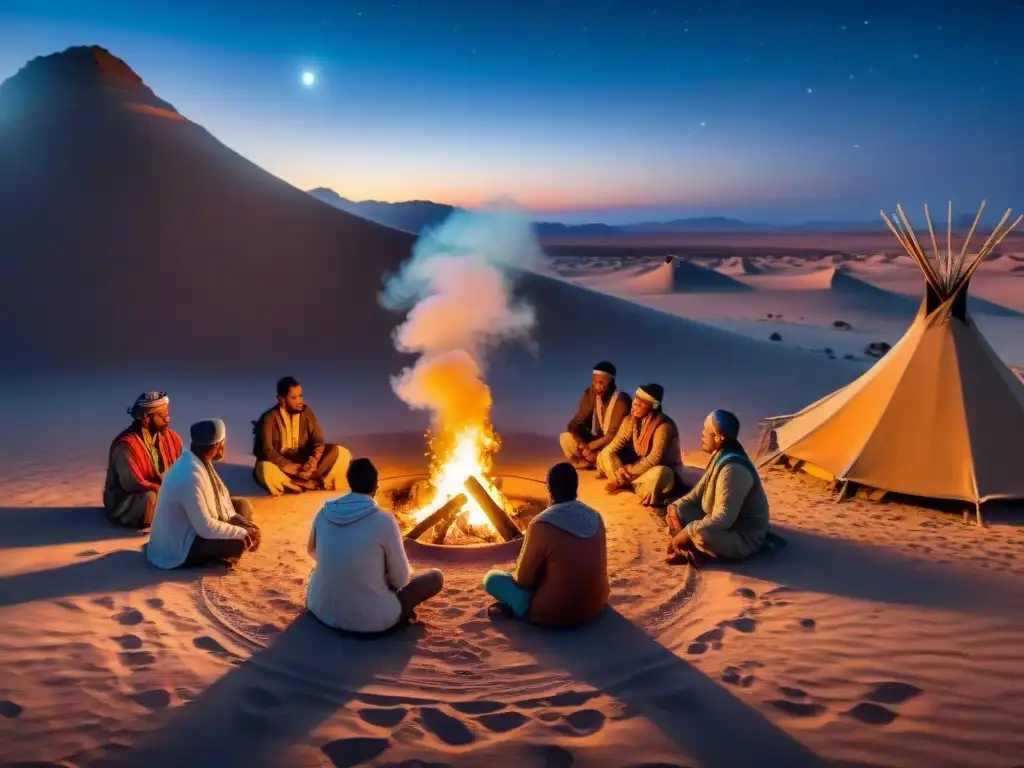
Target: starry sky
(587,110)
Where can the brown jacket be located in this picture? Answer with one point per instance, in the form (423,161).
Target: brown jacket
(654,441)
(582,421)
(567,575)
(268,441)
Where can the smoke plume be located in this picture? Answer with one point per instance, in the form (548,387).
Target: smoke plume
(457,288)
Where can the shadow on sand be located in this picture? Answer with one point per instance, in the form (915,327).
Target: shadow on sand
(857,570)
(45,526)
(707,723)
(273,700)
(123,570)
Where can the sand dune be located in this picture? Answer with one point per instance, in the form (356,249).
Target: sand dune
(677,276)
(143,253)
(739,265)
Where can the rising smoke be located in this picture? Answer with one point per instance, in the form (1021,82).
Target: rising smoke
(457,288)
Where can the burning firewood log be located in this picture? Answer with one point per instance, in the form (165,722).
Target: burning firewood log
(506,529)
(442,515)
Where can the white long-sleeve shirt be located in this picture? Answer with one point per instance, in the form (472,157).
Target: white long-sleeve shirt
(187,507)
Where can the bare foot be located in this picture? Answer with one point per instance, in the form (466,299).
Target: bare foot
(614,488)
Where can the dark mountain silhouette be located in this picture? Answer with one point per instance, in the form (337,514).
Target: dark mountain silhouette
(415,215)
(133,240)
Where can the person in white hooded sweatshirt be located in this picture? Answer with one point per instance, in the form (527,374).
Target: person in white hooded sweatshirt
(361,581)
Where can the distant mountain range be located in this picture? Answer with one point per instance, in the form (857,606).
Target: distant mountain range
(414,215)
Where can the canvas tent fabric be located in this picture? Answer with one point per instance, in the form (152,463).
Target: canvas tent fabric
(940,416)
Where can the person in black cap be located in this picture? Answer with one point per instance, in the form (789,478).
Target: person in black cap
(196,520)
(598,416)
(644,455)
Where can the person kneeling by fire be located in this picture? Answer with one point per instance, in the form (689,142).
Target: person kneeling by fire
(361,583)
(645,453)
(561,578)
(726,514)
(196,520)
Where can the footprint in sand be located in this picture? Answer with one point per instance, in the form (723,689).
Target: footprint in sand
(502,722)
(128,617)
(129,642)
(87,553)
(208,644)
(155,602)
(565,699)
(555,756)
(746,593)
(582,722)
(137,659)
(892,692)
(808,625)
(735,676)
(745,625)
(872,714)
(261,697)
(798,708)
(156,698)
(452,612)
(710,639)
(448,729)
(103,602)
(345,753)
(10,710)
(383,718)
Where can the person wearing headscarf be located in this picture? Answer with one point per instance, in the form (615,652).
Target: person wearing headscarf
(137,460)
(726,514)
(601,409)
(644,454)
(291,453)
(196,520)
(561,577)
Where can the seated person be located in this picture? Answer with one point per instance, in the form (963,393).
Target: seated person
(137,461)
(561,578)
(726,514)
(361,581)
(644,455)
(196,520)
(600,412)
(291,454)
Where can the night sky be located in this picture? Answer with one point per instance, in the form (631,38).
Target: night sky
(588,109)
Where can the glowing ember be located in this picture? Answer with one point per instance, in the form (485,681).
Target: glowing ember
(469,454)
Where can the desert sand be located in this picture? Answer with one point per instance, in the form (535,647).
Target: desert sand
(883,635)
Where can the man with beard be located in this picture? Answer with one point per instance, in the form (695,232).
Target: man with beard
(291,454)
(600,412)
(137,461)
(644,454)
(196,521)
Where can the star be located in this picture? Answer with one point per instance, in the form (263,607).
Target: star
(856,146)
(917,55)
(810,90)
(703,124)
(853,77)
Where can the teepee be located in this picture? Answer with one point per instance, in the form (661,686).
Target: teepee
(939,417)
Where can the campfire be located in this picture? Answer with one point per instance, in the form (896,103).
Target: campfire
(460,502)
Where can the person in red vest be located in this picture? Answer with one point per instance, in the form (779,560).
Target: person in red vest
(137,461)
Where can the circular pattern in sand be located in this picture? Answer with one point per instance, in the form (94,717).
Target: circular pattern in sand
(462,647)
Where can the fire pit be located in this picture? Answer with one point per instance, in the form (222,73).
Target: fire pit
(486,520)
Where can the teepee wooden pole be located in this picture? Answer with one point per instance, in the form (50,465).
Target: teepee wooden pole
(967,242)
(969,273)
(902,238)
(929,270)
(935,245)
(949,241)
